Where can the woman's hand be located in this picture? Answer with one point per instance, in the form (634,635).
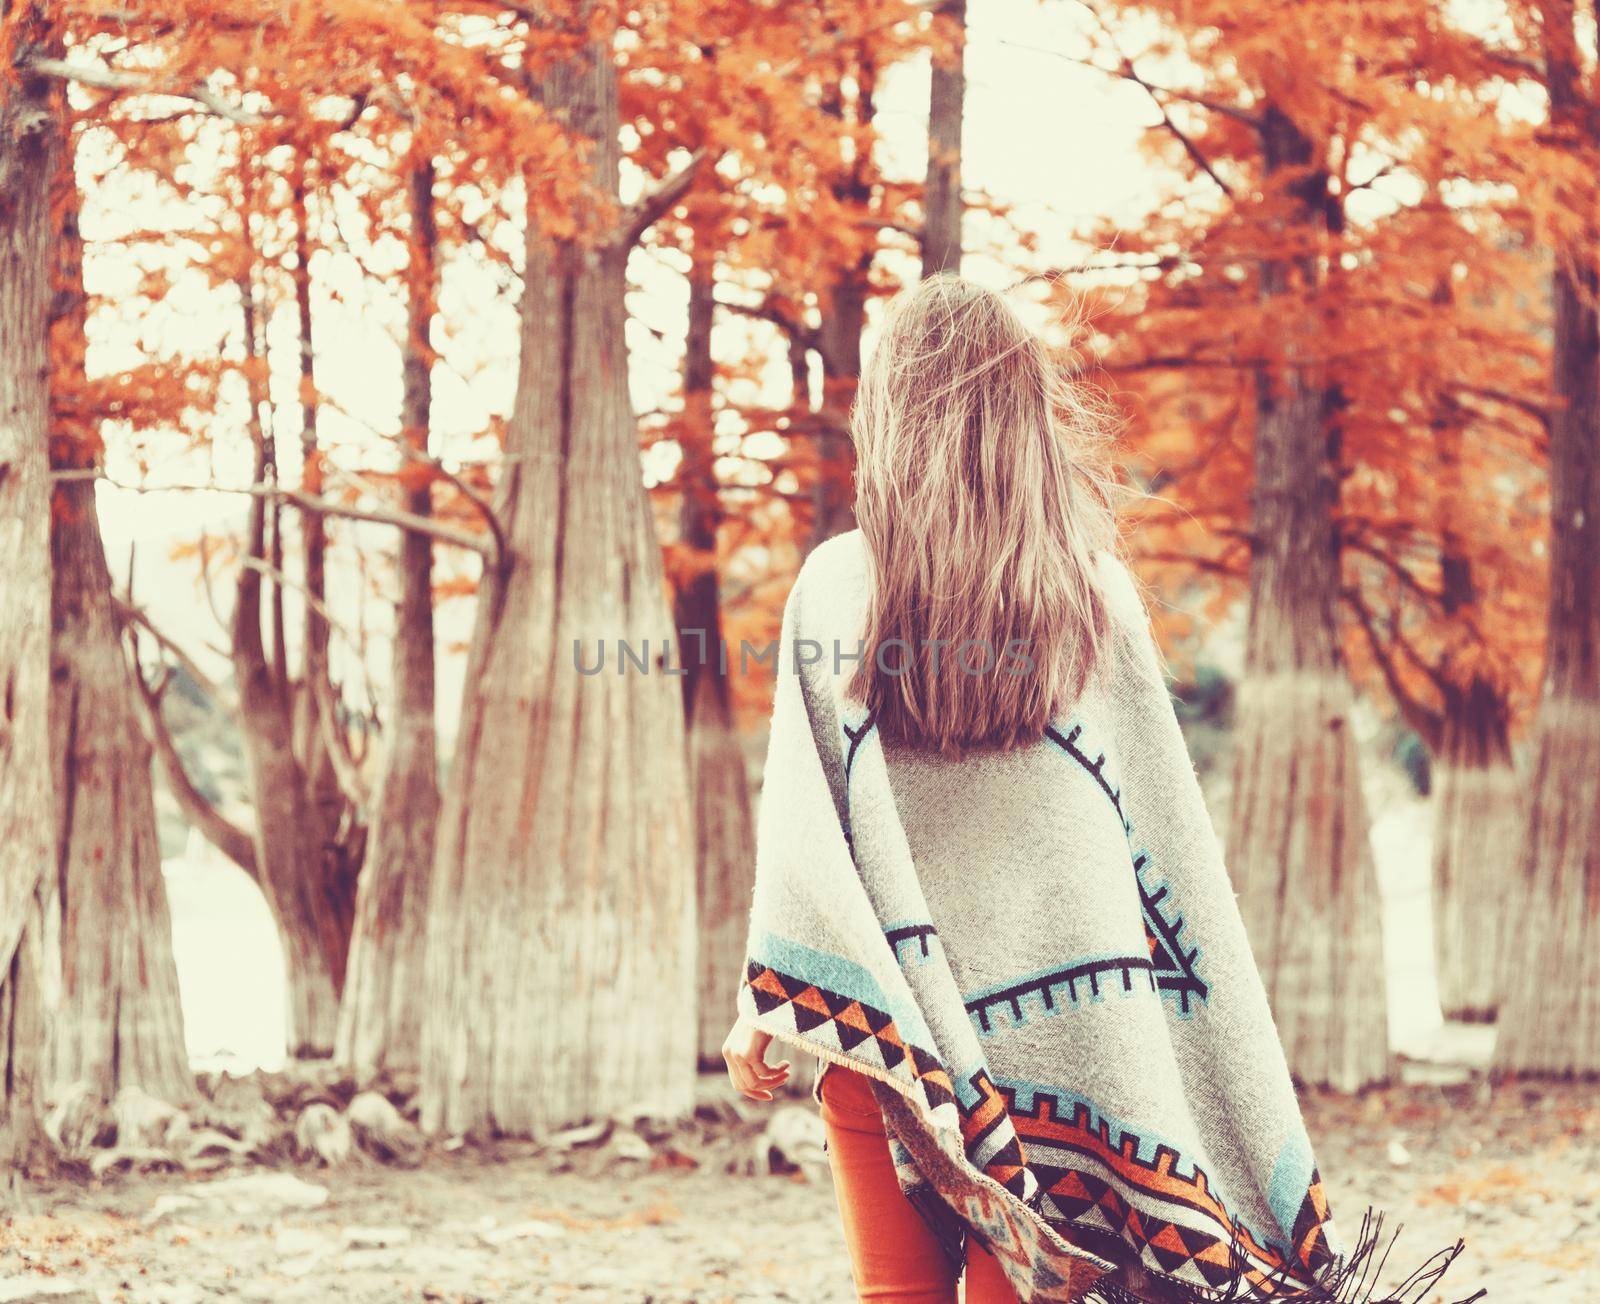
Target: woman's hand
(745,1052)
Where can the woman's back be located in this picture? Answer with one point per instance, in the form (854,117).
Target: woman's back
(980,826)
(986,878)
(1039,946)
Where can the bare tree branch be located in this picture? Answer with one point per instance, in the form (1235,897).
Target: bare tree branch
(1222,107)
(1126,70)
(1539,411)
(116,79)
(128,613)
(768,311)
(310,503)
(282,580)
(501,556)
(654,203)
(221,832)
(1428,723)
(345,766)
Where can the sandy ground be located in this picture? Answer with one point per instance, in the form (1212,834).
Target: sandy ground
(1515,1170)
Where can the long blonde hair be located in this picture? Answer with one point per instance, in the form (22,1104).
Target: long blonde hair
(981,516)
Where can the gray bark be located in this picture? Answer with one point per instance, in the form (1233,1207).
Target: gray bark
(1299,845)
(1550,1012)
(1477,827)
(31,143)
(560,950)
(941,191)
(380,1017)
(1477,845)
(724,830)
(119,1022)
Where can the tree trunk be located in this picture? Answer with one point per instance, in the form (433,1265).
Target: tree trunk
(725,846)
(31,142)
(380,1018)
(290,854)
(119,1022)
(560,952)
(1477,840)
(844,317)
(724,831)
(1550,1011)
(941,191)
(839,344)
(339,829)
(1477,801)
(1299,845)
(290,859)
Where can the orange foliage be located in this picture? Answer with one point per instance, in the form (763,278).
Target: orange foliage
(788,197)
(1414,292)
(1419,291)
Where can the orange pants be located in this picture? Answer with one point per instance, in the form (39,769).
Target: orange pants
(893,1254)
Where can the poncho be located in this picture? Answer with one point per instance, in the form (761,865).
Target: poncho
(1037,956)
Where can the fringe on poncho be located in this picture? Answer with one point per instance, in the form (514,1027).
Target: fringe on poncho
(1037,956)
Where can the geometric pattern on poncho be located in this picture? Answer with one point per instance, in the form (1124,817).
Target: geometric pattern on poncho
(1172,958)
(822,1020)
(846,963)
(1171,961)
(1075,1172)
(1070,1193)
(846,1024)
(1084,1174)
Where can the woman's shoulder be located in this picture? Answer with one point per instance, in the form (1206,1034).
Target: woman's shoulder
(836,569)
(1132,645)
(1118,586)
(841,555)
(829,595)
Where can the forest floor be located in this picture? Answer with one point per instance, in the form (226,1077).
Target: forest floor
(1515,1170)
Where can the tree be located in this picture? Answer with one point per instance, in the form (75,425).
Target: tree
(1548,1019)
(380,1019)
(561,923)
(715,86)
(1303,863)
(842,303)
(1463,707)
(1456,670)
(303,845)
(1442,530)
(718,784)
(941,191)
(1289,365)
(31,148)
(808,260)
(119,1022)
(306,870)
(306,116)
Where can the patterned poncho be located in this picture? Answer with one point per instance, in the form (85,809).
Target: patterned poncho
(1037,956)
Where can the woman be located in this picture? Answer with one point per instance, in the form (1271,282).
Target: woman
(988,893)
